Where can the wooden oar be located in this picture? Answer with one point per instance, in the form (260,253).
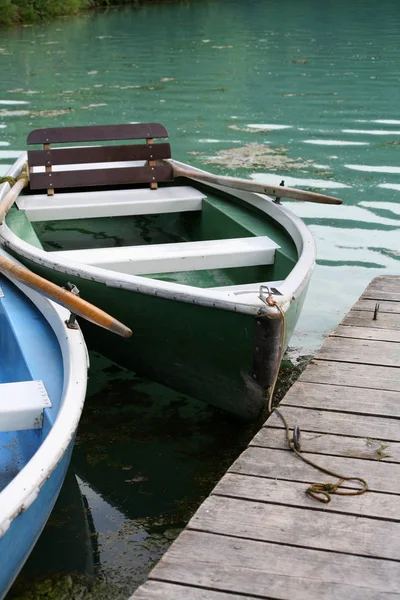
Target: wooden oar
(76,305)
(252,186)
(12,195)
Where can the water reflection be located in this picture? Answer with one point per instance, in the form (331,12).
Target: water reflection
(144,458)
(125,548)
(69,542)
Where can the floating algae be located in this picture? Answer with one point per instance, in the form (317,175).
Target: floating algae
(49,113)
(257,155)
(74,586)
(248,129)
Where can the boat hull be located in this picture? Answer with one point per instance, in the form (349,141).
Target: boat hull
(47,362)
(218,343)
(24,531)
(225,358)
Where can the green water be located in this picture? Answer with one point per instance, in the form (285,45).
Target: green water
(314,83)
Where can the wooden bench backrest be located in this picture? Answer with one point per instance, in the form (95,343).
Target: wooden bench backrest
(49,157)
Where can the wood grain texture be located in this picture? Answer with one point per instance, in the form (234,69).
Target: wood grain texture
(293,493)
(93,154)
(258,534)
(377,293)
(96,133)
(99,177)
(387,282)
(285,465)
(366,352)
(344,398)
(335,445)
(297,526)
(160,590)
(267,570)
(354,375)
(355,326)
(323,421)
(369,305)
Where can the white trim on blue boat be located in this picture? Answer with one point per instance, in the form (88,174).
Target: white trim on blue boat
(23,490)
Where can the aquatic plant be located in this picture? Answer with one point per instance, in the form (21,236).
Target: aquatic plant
(29,11)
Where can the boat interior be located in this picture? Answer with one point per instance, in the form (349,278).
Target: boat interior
(131,216)
(29,352)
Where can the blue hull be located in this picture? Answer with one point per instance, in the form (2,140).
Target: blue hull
(35,346)
(17,543)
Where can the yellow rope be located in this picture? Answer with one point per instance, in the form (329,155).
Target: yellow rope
(319,491)
(13,180)
(7,179)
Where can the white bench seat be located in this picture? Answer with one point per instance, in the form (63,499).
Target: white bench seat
(183,256)
(111,203)
(22,404)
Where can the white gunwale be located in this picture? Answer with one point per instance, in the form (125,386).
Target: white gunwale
(23,490)
(248,303)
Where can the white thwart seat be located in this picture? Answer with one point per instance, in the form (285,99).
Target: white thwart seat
(22,404)
(183,256)
(111,203)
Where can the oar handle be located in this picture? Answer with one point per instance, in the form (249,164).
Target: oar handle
(70,301)
(253,186)
(12,195)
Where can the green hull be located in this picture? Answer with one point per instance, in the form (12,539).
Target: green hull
(226,358)
(206,353)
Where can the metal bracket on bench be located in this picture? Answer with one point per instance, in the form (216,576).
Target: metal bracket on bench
(71,322)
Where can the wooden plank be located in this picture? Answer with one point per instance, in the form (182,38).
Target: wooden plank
(296,526)
(384,295)
(390,282)
(366,352)
(285,465)
(161,590)
(292,493)
(94,154)
(378,293)
(385,306)
(343,398)
(356,375)
(385,328)
(335,445)
(260,534)
(96,133)
(100,177)
(273,571)
(383,288)
(324,421)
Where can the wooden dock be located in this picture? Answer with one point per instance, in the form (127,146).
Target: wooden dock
(258,535)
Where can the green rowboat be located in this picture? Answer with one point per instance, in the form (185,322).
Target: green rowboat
(202,272)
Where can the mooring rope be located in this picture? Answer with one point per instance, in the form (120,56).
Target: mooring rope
(319,491)
(7,179)
(13,180)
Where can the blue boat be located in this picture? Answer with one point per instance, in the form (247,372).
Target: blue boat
(43,376)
